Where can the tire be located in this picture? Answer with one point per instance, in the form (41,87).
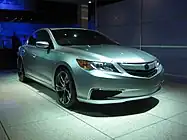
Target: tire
(21,72)
(65,88)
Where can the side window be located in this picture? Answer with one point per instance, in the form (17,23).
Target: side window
(43,35)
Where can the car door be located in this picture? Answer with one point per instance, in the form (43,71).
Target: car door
(43,62)
(28,56)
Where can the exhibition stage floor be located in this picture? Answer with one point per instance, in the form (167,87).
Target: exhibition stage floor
(30,112)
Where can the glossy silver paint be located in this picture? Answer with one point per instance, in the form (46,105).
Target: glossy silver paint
(41,65)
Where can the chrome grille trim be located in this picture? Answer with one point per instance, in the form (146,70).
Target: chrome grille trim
(138,69)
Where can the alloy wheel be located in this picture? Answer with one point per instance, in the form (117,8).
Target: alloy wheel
(63,87)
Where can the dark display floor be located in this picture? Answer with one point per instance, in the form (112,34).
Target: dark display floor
(30,112)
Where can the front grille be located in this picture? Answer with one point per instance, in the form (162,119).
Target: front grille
(142,73)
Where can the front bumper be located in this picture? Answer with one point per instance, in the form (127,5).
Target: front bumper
(130,87)
(119,100)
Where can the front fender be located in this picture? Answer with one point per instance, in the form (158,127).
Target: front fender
(61,64)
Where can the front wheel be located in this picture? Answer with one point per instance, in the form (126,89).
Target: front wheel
(65,88)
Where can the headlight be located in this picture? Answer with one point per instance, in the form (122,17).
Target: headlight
(91,65)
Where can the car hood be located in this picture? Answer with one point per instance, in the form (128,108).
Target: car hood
(116,53)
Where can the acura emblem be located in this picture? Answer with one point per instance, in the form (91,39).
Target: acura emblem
(146,66)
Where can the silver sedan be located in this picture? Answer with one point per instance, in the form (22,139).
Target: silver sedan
(87,66)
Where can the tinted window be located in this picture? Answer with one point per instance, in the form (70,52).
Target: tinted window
(40,35)
(80,37)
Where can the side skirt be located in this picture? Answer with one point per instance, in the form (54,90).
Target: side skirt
(41,82)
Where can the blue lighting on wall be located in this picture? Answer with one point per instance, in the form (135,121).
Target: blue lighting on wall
(23,30)
(13,4)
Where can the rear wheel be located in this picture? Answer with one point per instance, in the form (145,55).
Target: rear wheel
(65,88)
(21,72)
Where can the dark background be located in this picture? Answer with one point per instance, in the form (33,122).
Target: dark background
(43,12)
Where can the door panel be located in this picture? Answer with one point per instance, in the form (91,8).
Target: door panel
(33,62)
(43,65)
(28,60)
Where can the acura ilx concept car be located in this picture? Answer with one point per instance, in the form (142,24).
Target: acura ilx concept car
(82,65)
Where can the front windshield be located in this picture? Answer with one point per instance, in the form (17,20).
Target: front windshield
(80,37)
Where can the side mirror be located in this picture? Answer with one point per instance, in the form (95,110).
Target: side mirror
(42,44)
